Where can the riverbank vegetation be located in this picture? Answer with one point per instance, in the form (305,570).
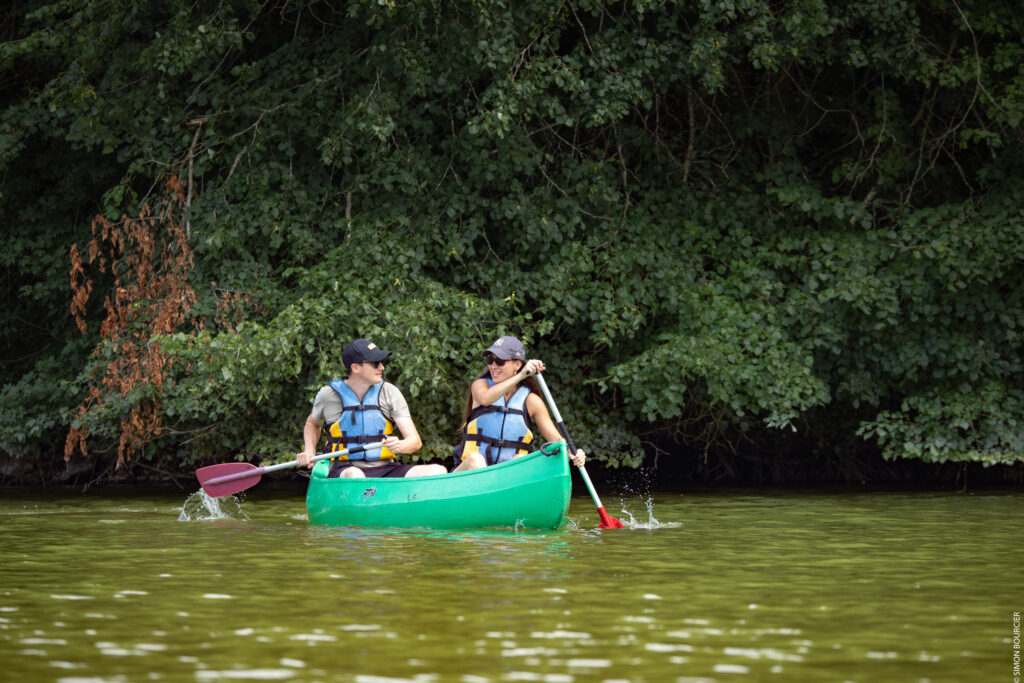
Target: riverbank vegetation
(777,237)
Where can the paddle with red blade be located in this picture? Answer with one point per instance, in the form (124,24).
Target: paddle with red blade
(234,477)
(607,521)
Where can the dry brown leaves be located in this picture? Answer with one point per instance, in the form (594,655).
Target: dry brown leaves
(150,260)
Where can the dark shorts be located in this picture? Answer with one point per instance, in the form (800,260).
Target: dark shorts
(390,469)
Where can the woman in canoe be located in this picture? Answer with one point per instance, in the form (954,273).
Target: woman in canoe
(500,406)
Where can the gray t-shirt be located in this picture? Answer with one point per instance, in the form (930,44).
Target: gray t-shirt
(327,409)
(327,404)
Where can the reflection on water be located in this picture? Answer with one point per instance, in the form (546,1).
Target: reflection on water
(700,587)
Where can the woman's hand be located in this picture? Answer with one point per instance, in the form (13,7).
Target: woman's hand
(579,459)
(532,367)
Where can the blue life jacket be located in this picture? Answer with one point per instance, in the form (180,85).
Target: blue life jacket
(500,431)
(361,422)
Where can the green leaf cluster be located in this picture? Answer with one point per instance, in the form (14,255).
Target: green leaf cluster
(710,219)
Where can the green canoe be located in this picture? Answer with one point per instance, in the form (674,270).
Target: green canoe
(529,492)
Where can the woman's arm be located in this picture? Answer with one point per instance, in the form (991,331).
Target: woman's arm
(546,426)
(484,395)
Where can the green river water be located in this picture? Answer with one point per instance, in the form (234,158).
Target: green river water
(724,586)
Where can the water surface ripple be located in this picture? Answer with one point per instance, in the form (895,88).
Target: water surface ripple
(733,586)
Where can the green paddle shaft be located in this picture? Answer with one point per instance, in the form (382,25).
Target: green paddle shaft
(568,439)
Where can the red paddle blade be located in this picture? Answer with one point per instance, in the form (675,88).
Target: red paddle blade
(228,478)
(607,521)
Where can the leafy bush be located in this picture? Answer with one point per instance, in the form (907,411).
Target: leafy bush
(708,218)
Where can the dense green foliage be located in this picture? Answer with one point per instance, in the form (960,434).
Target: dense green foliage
(719,220)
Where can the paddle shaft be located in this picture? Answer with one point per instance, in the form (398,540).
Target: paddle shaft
(260,471)
(560,423)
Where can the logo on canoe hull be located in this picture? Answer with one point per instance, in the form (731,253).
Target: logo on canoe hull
(370,492)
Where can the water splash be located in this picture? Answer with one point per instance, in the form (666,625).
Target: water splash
(632,522)
(633,487)
(200,506)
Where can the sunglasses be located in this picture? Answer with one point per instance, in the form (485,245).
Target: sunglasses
(500,362)
(373,363)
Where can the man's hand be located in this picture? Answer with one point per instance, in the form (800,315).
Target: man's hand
(394,444)
(304,458)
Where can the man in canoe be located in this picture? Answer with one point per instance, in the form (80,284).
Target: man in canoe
(500,405)
(361,409)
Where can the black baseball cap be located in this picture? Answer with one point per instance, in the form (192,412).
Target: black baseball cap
(362,351)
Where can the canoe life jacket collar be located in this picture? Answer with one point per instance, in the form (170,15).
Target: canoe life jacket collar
(360,422)
(500,431)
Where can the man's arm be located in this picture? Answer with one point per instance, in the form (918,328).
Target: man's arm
(310,435)
(410,441)
(396,409)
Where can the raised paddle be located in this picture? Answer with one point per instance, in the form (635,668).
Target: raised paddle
(607,521)
(234,477)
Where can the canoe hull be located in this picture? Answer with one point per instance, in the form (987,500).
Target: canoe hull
(529,492)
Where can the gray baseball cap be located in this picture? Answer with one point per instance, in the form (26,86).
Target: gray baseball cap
(507,348)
